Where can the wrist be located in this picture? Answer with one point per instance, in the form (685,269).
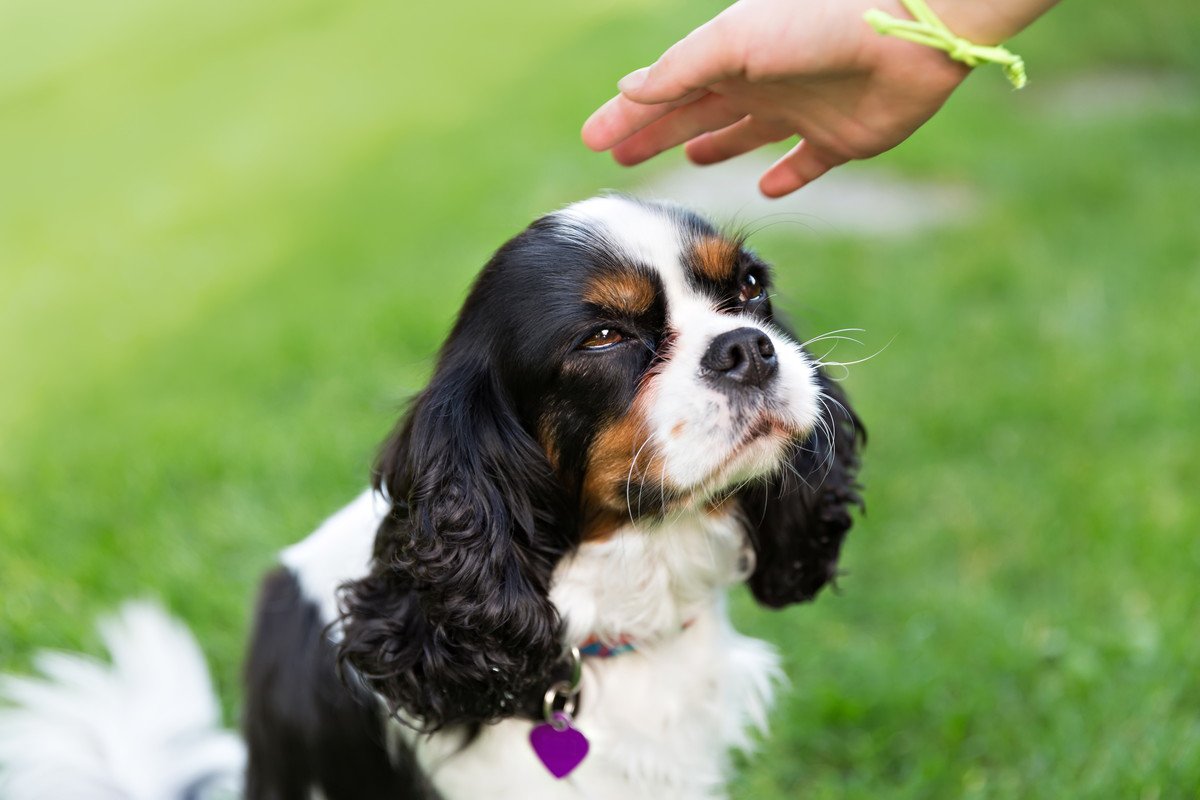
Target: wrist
(989,22)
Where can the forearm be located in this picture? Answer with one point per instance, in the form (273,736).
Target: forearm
(989,21)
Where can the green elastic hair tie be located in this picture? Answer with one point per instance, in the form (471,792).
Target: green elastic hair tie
(930,31)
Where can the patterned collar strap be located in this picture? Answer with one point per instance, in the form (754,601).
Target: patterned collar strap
(594,647)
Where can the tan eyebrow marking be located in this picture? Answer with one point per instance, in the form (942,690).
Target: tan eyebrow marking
(622,292)
(715,258)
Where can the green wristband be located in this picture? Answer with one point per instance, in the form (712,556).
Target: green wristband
(929,30)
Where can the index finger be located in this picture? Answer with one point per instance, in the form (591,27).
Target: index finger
(707,55)
(620,118)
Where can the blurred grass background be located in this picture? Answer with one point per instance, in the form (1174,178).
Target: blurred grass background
(232,236)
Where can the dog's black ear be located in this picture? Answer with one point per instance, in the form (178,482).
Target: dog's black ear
(799,517)
(454,624)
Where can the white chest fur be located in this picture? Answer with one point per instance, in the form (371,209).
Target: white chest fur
(661,719)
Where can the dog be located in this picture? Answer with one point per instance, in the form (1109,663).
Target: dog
(529,601)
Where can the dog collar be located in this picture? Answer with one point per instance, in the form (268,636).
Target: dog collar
(592,647)
(595,647)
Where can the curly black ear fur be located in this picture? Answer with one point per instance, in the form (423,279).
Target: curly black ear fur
(798,519)
(454,623)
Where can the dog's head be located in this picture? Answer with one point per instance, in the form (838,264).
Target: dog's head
(616,362)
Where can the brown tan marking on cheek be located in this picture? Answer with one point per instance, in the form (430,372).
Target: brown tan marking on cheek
(715,258)
(545,438)
(621,454)
(623,293)
(721,506)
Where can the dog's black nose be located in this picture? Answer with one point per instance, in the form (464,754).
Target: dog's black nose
(744,357)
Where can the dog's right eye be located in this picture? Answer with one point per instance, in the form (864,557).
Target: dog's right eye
(602,338)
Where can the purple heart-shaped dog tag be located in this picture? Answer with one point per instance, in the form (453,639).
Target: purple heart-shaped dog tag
(559,745)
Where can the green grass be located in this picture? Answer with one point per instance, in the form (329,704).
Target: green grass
(232,235)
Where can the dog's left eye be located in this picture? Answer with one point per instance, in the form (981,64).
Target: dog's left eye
(602,338)
(752,289)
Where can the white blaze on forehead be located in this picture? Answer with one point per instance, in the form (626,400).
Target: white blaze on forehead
(646,235)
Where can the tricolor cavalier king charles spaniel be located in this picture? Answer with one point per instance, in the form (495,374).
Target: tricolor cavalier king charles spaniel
(618,429)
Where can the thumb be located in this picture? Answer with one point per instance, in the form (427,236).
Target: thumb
(703,57)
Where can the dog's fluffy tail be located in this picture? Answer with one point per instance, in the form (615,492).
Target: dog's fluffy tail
(145,727)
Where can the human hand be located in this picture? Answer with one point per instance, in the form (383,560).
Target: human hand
(765,70)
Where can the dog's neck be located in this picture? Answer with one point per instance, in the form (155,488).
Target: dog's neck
(647,581)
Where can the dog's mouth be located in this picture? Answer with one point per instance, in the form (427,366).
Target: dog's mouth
(757,452)
(764,426)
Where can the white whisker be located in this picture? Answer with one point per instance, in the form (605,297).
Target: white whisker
(857,361)
(834,335)
(629,480)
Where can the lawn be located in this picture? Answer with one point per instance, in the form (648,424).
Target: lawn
(232,235)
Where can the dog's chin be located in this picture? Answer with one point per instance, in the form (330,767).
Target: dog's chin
(762,451)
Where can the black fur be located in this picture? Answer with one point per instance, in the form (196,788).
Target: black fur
(799,519)
(454,624)
(304,727)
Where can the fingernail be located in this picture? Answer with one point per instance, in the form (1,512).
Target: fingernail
(634,80)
